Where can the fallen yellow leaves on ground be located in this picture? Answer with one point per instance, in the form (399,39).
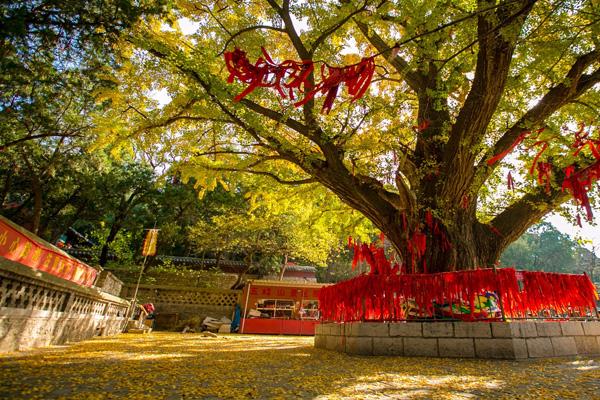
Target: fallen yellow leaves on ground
(190,366)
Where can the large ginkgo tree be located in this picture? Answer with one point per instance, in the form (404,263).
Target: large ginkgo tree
(479,118)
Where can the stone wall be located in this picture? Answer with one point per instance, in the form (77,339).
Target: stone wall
(185,303)
(178,277)
(39,309)
(109,283)
(506,340)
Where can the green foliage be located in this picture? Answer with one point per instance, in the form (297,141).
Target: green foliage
(368,152)
(543,248)
(54,55)
(274,223)
(339,266)
(122,248)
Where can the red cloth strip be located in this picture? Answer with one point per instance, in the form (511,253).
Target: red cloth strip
(393,297)
(292,76)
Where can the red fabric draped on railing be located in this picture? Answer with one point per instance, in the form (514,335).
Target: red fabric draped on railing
(482,294)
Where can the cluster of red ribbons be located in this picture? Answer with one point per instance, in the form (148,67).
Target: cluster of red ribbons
(520,294)
(292,76)
(416,245)
(577,181)
(374,256)
(580,182)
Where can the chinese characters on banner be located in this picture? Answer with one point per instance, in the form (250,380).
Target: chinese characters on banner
(18,247)
(284,292)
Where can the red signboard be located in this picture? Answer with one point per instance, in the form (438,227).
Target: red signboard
(280,307)
(279,326)
(17,246)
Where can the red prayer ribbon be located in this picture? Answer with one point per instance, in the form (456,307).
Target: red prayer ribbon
(394,297)
(292,76)
(510,182)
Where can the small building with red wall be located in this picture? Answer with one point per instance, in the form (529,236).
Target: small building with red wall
(280,307)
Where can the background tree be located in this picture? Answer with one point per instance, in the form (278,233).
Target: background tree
(57,184)
(543,248)
(457,83)
(124,190)
(586,259)
(54,55)
(276,225)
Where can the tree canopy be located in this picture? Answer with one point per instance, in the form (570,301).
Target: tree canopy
(452,126)
(54,56)
(463,92)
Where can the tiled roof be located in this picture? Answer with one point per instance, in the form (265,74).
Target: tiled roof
(198,261)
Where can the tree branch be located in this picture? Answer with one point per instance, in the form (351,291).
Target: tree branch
(284,13)
(493,64)
(573,86)
(40,136)
(232,152)
(279,117)
(264,173)
(514,220)
(412,78)
(248,29)
(173,119)
(331,30)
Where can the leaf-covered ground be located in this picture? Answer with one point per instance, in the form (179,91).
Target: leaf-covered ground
(190,366)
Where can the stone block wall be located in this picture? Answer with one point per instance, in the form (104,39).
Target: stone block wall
(191,304)
(503,340)
(178,277)
(109,283)
(39,309)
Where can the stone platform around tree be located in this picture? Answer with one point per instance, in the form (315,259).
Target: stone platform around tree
(503,340)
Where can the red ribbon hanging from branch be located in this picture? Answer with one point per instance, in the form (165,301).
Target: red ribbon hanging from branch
(292,76)
(514,144)
(285,77)
(510,182)
(579,183)
(544,170)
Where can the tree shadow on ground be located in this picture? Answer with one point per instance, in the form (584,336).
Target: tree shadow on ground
(176,366)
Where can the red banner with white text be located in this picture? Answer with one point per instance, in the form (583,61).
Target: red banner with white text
(20,246)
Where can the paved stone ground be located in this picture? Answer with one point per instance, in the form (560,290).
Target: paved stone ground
(189,366)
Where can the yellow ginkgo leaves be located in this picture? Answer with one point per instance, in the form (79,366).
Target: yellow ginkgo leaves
(190,366)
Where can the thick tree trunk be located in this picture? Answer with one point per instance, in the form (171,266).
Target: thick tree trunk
(114,229)
(460,245)
(239,283)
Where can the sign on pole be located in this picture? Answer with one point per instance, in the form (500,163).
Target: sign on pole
(149,246)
